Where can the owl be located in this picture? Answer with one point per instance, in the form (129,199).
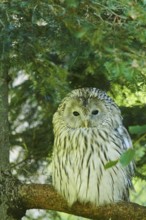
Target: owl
(88,133)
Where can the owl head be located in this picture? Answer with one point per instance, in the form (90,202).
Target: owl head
(87,108)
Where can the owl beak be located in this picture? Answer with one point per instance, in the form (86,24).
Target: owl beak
(86,123)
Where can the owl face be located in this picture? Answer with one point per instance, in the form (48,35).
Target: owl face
(84,112)
(87,108)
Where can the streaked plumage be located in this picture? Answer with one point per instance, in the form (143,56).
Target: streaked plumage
(88,134)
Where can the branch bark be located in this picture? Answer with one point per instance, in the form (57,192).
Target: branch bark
(39,196)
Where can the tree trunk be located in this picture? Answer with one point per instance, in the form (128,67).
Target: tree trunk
(4,145)
(4,129)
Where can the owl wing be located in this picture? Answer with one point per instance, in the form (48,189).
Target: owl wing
(126,144)
(125,137)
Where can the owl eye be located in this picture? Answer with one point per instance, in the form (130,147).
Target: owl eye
(95,112)
(75,113)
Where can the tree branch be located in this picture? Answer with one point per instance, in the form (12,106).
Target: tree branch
(39,196)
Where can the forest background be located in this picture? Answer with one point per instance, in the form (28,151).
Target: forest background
(49,48)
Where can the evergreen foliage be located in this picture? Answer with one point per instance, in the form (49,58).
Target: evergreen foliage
(51,47)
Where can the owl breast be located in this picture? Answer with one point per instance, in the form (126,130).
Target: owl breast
(78,167)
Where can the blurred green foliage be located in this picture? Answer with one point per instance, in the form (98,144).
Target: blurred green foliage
(51,47)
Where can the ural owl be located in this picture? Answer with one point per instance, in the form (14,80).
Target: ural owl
(89,133)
